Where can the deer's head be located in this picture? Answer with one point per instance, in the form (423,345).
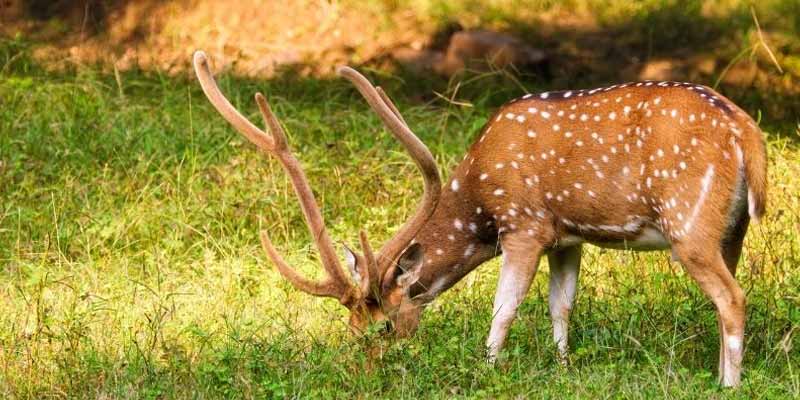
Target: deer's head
(377,288)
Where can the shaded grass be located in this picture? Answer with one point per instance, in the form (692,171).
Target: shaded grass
(129,265)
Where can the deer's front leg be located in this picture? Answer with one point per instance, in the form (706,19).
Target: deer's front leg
(564,270)
(520,261)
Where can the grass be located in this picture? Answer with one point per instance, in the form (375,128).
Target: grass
(130,268)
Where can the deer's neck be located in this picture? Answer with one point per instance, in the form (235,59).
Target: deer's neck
(458,237)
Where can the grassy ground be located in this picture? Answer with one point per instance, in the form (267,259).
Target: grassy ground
(130,268)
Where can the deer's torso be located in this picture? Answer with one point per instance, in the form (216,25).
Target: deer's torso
(628,166)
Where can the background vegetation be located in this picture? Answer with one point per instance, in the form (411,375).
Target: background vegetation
(129,211)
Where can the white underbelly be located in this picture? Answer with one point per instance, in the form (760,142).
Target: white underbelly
(648,238)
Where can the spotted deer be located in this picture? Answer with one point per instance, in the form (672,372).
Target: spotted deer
(639,166)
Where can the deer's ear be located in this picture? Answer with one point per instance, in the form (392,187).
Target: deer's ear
(408,265)
(352,263)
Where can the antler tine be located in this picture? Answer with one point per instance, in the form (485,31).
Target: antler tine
(391,105)
(315,288)
(337,284)
(228,111)
(419,153)
(370,282)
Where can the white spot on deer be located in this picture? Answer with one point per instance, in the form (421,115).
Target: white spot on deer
(473,227)
(454,185)
(625,170)
(597,118)
(510,115)
(520,118)
(533,110)
(544,95)
(548,195)
(529,181)
(591,193)
(584,117)
(531,134)
(499,166)
(556,127)
(579,143)
(545,114)
(499,192)
(483,176)
(469,250)
(660,153)
(567,94)
(458,224)
(512,212)
(612,116)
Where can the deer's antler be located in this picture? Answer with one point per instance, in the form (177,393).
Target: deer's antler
(337,284)
(391,117)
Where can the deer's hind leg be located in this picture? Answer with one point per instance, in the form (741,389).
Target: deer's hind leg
(711,272)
